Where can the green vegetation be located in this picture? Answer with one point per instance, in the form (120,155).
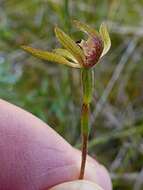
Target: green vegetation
(53,93)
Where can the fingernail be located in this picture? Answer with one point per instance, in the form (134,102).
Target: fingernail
(77,185)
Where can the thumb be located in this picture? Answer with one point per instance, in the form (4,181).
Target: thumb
(33,156)
(78,184)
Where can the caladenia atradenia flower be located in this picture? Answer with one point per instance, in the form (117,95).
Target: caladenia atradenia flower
(83,55)
(79,55)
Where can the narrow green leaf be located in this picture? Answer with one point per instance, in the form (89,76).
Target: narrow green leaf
(106,38)
(86,28)
(49,56)
(87,82)
(65,53)
(70,45)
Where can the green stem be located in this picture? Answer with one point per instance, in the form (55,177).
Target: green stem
(87,84)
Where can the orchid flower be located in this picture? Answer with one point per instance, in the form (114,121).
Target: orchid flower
(78,55)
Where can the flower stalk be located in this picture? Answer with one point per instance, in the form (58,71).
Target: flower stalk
(87,85)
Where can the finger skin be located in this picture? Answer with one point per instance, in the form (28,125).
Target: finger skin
(77,185)
(35,157)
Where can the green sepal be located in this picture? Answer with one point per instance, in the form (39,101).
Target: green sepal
(65,53)
(86,28)
(49,56)
(70,45)
(105,38)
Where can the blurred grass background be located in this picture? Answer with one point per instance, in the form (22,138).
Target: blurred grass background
(52,92)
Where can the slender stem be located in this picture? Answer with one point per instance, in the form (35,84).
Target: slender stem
(84,119)
(87,83)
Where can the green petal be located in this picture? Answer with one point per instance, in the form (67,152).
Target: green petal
(106,38)
(48,56)
(70,45)
(65,53)
(86,28)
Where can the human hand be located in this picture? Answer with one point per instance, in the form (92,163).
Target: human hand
(35,157)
